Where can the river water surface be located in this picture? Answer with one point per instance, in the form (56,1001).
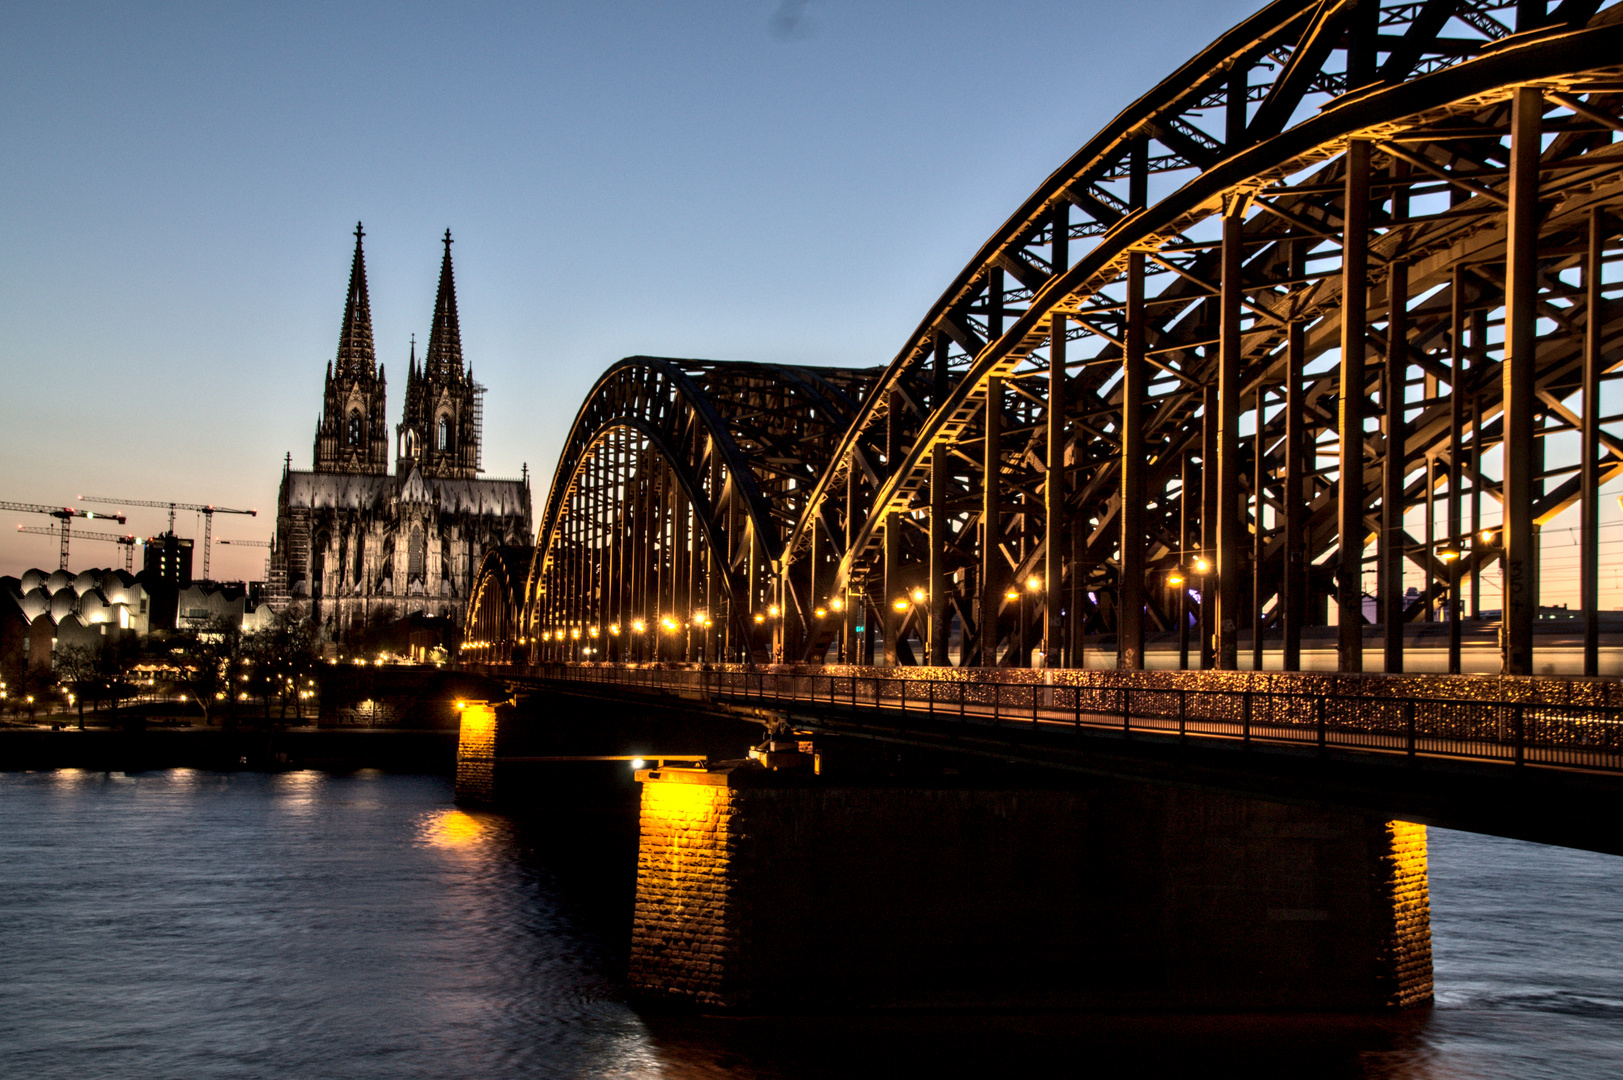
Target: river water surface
(190,924)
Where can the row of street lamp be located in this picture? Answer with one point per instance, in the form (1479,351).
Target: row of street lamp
(1200,567)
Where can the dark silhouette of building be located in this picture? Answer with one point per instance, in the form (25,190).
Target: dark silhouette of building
(166,568)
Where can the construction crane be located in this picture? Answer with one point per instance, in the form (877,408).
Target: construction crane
(64,514)
(129,541)
(208,513)
(253,543)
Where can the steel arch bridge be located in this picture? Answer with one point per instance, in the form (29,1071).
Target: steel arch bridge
(1328,316)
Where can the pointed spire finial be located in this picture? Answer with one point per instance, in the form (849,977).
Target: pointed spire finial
(444,357)
(355,352)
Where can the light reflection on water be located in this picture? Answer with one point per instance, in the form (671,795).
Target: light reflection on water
(199,924)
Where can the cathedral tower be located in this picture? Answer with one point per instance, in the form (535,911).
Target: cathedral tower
(352,435)
(440,432)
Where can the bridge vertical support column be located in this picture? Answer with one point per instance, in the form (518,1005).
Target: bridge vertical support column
(940,531)
(1521,343)
(760,890)
(713,569)
(1230,560)
(1479,325)
(695,561)
(1354,315)
(752,578)
(892,619)
(1394,463)
(1186,539)
(814,575)
(992,523)
(1054,494)
(1130,519)
(1208,523)
(1456,464)
(1594,369)
(852,613)
(1259,537)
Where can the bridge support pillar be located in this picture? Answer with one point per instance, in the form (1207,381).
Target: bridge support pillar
(476,755)
(765,891)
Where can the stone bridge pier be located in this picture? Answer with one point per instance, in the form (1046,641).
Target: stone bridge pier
(763,890)
(782,889)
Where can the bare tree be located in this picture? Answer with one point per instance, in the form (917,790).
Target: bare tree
(77,668)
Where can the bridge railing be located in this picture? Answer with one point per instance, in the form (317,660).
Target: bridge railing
(1512,732)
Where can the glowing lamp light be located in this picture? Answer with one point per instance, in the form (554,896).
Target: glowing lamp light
(836,604)
(919,596)
(639,763)
(1174,579)
(574,632)
(1488,535)
(638,626)
(1034,583)
(772,610)
(1448,554)
(668,623)
(821,613)
(614,629)
(1012,594)
(759,617)
(900,604)
(1202,566)
(707,621)
(593,631)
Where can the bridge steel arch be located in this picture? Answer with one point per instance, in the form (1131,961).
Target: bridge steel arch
(1348,239)
(1207,248)
(671,497)
(491,630)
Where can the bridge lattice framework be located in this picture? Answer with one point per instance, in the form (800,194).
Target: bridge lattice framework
(1352,262)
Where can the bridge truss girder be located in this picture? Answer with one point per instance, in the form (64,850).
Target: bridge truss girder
(1142,370)
(662,530)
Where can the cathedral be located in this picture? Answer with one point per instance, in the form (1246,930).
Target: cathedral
(364,547)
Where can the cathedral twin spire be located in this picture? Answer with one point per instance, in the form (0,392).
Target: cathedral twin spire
(356,355)
(440,433)
(444,360)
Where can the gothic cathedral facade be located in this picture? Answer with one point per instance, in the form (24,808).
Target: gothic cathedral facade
(364,547)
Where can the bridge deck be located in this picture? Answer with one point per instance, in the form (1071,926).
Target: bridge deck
(1540,734)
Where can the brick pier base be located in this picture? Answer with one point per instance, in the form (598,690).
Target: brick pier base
(476,755)
(763,891)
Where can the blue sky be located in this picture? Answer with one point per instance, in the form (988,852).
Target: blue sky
(733,180)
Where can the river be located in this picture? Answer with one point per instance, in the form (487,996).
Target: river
(302,924)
